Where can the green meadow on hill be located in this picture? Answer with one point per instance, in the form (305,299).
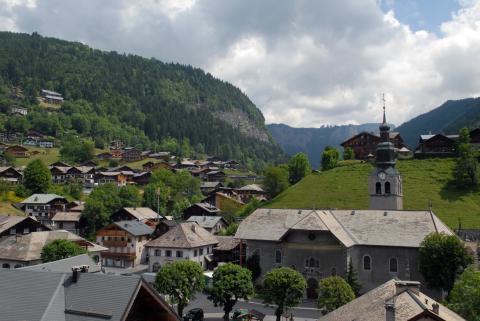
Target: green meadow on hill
(424,181)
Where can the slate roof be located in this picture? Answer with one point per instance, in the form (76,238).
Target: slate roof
(405,297)
(7,222)
(350,227)
(67,216)
(252,187)
(205,221)
(135,228)
(54,297)
(41,198)
(28,247)
(184,235)
(209,184)
(65,265)
(226,243)
(142,213)
(207,207)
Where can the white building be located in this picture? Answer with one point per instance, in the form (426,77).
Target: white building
(186,241)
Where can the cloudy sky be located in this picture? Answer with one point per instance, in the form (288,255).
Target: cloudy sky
(303,63)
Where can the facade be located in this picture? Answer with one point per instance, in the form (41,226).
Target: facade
(131,154)
(200,209)
(185,241)
(69,221)
(17,151)
(10,175)
(436,146)
(384,182)
(45,144)
(125,241)
(51,97)
(25,250)
(13,225)
(44,206)
(227,250)
(365,144)
(15,110)
(77,295)
(111,177)
(212,224)
(394,300)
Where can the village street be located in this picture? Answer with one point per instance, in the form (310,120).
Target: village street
(307,311)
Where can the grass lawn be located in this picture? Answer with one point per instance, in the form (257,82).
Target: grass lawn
(47,155)
(6,207)
(423,181)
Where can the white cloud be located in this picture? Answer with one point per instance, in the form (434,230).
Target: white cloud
(304,63)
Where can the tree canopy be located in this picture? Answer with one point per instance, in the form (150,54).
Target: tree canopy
(466,169)
(230,283)
(180,280)
(333,293)
(275,180)
(60,249)
(329,158)
(298,167)
(37,177)
(464,298)
(283,287)
(442,258)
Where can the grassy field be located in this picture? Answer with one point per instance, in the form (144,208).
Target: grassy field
(47,155)
(423,181)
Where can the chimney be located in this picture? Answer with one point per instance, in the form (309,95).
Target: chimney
(75,274)
(402,286)
(436,308)
(390,310)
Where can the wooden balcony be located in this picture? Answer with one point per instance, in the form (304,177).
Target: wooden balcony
(115,243)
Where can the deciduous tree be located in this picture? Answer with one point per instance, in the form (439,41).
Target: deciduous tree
(466,167)
(465,295)
(230,283)
(298,167)
(275,180)
(37,177)
(333,293)
(180,280)
(285,288)
(442,258)
(330,158)
(61,249)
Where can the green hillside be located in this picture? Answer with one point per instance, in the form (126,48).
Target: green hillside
(423,180)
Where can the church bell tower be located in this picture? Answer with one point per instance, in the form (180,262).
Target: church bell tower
(385,182)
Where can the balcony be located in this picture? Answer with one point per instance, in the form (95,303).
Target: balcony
(130,256)
(115,243)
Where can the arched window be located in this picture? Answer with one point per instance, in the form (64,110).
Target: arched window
(387,188)
(311,262)
(5,265)
(278,256)
(393,265)
(156,267)
(378,188)
(367,263)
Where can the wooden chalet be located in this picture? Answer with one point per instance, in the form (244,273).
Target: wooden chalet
(163,226)
(161,155)
(227,250)
(216,176)
(131,154)
(200,209)
(116,153)
(151,166)
(44,206)
(13,225)
(18,151)
(135,214)
(51,97)
(436,146)
(475,138)
(117,144)
(10,175)
(117,178)
(364,143)
(104,156)
(142,178)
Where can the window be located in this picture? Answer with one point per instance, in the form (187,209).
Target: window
(311,262)
(168,253)
(179,253)
(60,225)
(158,252)
(39,229)
(201,251)
(17,266)
(378,188)
(387,188)
(393,265)
(26,230)
(208,249)
(195,253)
(12,231)
(155,267)
(278,256)
(5,265)
(367,263)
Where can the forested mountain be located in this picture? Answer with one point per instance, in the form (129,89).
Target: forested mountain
(312,141)
(448,118)
(141,101)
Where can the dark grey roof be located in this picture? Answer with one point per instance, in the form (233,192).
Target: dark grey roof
(207,222)
(65,265)
(135,228)
(41,198)
(50,296)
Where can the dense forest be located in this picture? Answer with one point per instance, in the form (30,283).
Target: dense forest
(144,102)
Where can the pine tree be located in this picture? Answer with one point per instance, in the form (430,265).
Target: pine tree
(352,278)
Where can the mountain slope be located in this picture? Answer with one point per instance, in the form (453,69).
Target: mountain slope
(139,100)
(447,119)
(312,141)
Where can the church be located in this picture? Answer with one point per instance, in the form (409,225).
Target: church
(381,242)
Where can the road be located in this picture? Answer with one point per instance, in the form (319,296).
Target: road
(306,310)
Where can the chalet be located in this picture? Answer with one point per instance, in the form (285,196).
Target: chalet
(17,151)
(125,241)
(82,173)
(60,164)
(151,166)
(213,224)
(89,163)
(10,175)
(20,111)
(395,300)
(227,250)
(436,146)
(25,250)
(366,143)
(248,192)
(45,144)
(122,168)
(44,295)
(131,154)
(186,241)
(105,155)
(200,209)
(117,144)
(161,155)
(9,137)
(142,178)
(44,206)
(216,176)
(111,177)
(13,225)
(59,174)
(51,97)
(225,203)
(207,187)
(475,138)
(70,221)
(231,164)
(35,135)
(186,164)
(163,226)
(135,213)
(116,153)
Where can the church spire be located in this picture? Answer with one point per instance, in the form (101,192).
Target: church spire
(384,128)
(384,117)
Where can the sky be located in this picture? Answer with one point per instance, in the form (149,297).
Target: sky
(303,63)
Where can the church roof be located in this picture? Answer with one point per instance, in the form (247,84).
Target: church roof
(350,227)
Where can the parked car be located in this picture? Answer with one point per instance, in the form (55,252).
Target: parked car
(247,315)
(193,315)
